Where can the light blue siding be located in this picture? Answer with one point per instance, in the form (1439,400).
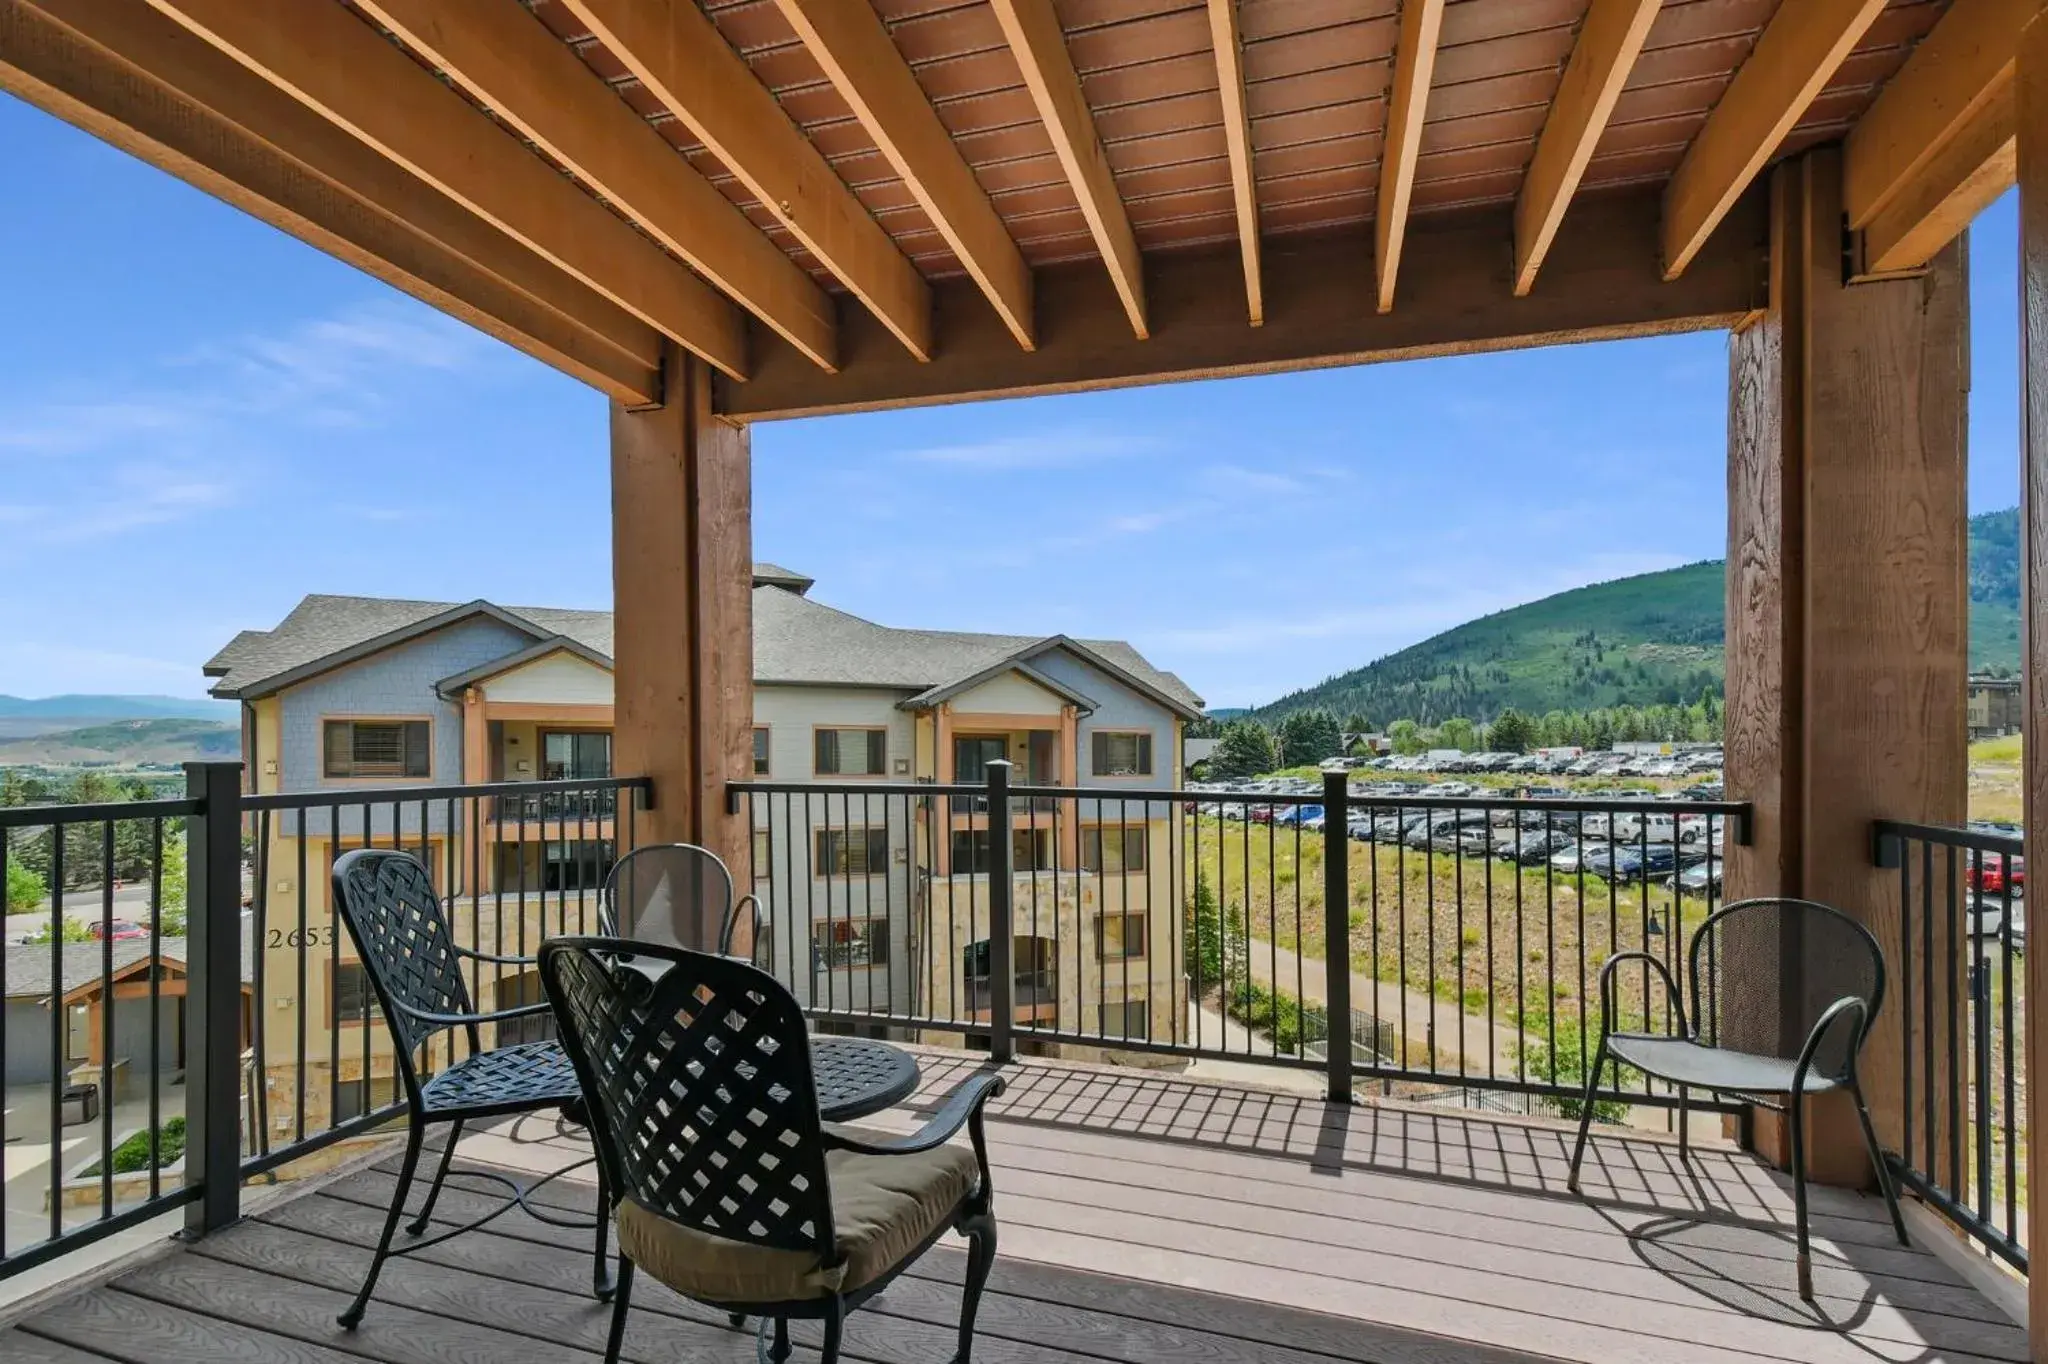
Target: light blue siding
(398,681)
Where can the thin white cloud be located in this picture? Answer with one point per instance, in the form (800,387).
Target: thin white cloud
(1039,450)
(1234,480)
(141,495)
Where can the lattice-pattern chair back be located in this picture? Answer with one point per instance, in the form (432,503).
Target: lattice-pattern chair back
(387,900)
(697,1070)
(673,893)
(1815,954)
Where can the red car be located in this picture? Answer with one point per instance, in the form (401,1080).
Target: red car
(1988,876)
(117,929)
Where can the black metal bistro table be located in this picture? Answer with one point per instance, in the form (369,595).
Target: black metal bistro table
(856,1077)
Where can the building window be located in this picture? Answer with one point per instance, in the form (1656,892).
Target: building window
(378,748)
(760,750)
(577,864)
(427,855)
(1120,935)
(764,854)
(1130,1019)
(354,999)
(575,755)
(353,1098)
(851,852)
(972,753)
(1030,850)
(1113,848)
(850,942)
(852,752)
(514,992)
(1122,754)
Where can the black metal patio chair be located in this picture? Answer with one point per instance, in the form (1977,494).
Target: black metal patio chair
(1834,983)
(678,894)
(414,965)
(725,1183)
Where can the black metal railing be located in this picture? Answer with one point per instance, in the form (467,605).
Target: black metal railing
(1959,1118)
(211,994)
(97,897)
(1200,924)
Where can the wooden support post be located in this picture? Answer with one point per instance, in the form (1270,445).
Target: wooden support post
(1847,611)
(683,649)
(2032,72)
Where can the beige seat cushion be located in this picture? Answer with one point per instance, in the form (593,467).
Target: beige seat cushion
(883,1207)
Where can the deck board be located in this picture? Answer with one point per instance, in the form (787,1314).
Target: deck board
(1144,1217)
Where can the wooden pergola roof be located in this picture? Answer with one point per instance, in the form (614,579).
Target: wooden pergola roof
(843,204)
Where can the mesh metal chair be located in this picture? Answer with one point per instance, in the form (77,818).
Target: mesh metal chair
(725,1183)
(415,966)
(1831,977)
(678,894)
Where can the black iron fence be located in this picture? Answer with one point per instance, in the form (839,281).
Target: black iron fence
(1959,1024)
(1467,933)
(197,1006)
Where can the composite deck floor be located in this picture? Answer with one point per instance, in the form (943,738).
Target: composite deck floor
(1143,1217)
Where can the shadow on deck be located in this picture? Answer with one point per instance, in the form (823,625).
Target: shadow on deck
(1144,1217)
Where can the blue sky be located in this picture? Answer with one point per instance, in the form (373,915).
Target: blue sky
(202,419)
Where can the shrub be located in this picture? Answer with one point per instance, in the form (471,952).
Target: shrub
(133,1155)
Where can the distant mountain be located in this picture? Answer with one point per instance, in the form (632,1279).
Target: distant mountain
(126,742)
(77,706)
(1651,638)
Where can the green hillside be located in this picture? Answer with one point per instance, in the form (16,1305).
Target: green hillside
(126,742)
(1649,639)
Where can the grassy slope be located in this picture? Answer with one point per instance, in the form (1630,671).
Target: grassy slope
(130,741)
(1655,637)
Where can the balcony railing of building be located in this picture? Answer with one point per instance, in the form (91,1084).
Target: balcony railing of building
(1198,925)
(195,1004)
(1959,1023)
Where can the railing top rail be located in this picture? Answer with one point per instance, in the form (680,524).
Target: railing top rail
(1945,835)
(42,816)
(412,795)
(1737,809)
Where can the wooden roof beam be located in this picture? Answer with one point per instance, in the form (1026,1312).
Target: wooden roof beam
(1960,67)
(1797,53)
(1237,134)
(1040,47)
(1422,22)
(674,50)
(133,78)
(1608,44)
(334,62)
(861,59)
(509,61)
(1976,165)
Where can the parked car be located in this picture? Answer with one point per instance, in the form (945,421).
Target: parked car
(1987,920)
(1701,878)
(1298,814)
(120,930)
(1989,873)
(1534,849)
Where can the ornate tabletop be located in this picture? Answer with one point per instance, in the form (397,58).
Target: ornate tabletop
(856,1077)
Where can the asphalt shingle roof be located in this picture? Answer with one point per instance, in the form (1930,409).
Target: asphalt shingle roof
(796,640)
(28,968)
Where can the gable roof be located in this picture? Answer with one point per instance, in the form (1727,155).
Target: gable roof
(28,972)
(797,642)
(946,691)
(554,644)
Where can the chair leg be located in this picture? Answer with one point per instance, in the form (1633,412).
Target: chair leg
(1684,1129)
(835,1321)
(414,1133)
(602,1284)
(1885,1184)
(419,1224)
(981,1257)
(622,1295)
(1796,1119)
(779,1351)
(1586,1112)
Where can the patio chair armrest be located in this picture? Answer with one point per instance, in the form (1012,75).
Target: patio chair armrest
(1663,973)
(460,950)
(962,1107)
(1841,1008)
(732,921)
(450,1020)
